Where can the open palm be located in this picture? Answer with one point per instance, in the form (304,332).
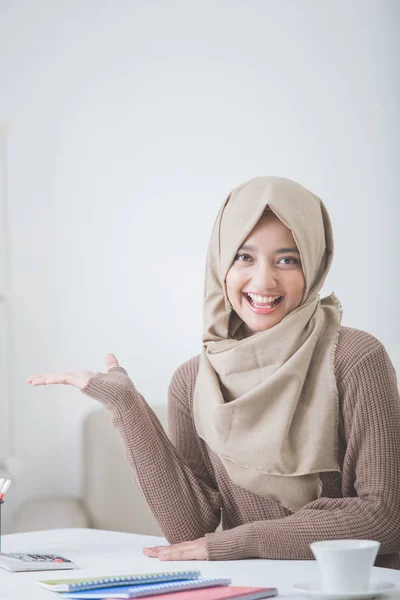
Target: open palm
(78,380)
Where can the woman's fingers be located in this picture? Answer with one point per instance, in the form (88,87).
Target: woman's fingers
(154,550)
(78,380)
(51,378)
(191,550)
(111,361)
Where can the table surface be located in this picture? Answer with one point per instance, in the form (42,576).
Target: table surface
(98,552)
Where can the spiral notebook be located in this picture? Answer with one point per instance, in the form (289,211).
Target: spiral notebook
(93,583)
(141,591)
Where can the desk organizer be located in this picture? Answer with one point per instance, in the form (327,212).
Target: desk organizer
(1,503)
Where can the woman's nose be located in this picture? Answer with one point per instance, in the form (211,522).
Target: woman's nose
(265,278)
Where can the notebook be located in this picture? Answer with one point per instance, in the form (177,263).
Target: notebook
(152,589)
(93,583)
(226,592)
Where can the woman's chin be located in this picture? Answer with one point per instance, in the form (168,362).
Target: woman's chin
(252,328)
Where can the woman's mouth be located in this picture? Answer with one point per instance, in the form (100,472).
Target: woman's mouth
(262,305)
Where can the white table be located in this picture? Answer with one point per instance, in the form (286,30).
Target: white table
(99,552)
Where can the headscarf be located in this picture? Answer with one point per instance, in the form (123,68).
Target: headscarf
(267,404)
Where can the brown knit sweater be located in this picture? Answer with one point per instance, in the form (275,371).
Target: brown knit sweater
(188,489)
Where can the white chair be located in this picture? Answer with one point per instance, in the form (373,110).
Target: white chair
(110,499)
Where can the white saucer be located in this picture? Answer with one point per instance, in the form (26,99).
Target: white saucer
(313,589)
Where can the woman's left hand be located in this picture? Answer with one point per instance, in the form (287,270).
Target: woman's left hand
(193,550)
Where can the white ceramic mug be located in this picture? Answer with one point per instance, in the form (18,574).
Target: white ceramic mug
(345,565)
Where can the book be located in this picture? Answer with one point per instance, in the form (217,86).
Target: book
(93,583)
(226,592)
(142,591)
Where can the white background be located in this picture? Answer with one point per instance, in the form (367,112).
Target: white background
(130,123)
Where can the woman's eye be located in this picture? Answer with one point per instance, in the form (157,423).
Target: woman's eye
(243,257)
(294,261)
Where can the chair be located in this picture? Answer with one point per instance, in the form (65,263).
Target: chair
(110,498)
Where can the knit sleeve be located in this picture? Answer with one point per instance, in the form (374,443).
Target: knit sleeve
(182,502)
(370,475)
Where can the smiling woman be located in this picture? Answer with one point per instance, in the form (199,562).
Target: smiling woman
(265,277)
(288,424)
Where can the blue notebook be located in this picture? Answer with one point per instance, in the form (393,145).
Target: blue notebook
(150,589)
(76,584)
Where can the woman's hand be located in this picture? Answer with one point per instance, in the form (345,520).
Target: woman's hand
(79,379)
(193,550)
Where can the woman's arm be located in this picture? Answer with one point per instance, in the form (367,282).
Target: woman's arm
(178,490)
(371,471)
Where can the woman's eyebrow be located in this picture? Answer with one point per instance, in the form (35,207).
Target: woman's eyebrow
(251,248)
(248,247)
(283,250)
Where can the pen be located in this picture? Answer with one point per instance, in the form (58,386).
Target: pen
(5,488)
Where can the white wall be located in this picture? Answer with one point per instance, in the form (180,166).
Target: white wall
(131,121)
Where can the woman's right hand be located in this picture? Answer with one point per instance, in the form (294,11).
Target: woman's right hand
(78,380)
(114,389)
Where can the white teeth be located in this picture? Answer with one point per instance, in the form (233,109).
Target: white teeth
(262,299)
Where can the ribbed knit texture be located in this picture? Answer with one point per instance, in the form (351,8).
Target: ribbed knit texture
(188,489)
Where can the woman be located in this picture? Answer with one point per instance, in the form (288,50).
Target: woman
(288,424)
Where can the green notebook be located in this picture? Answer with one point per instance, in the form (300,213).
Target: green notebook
(94,583)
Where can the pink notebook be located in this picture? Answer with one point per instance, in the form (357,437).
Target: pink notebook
(218,593)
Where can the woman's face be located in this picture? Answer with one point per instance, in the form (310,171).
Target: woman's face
(266,266)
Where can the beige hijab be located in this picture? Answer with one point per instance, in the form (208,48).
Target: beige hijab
(267,404)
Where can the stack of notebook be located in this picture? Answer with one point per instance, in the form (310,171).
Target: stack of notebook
(151,585)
